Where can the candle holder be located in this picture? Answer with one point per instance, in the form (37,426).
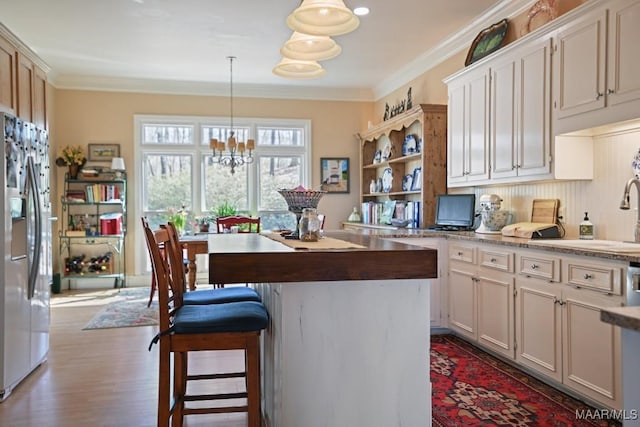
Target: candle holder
(299,200)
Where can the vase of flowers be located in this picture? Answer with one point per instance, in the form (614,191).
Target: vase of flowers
(178,218)
(73,157)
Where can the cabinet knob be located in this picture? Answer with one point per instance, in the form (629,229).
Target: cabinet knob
(599,95)
(610,91)
(493,260)
(588,276)
(460,253)
(534,266)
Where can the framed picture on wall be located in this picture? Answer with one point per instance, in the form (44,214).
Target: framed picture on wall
(103,152)
(334,174)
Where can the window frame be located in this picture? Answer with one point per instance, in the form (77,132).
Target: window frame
(199,149)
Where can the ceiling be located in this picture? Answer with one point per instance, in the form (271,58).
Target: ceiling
(182,46)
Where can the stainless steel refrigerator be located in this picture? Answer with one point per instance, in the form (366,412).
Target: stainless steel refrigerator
(26,252)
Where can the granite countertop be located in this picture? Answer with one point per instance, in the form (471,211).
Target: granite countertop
(499,239)
(625,317)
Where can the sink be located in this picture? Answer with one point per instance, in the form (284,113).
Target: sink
(595,245)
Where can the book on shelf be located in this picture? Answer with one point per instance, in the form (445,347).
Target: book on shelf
(76,196)
(375,213)
(96,193)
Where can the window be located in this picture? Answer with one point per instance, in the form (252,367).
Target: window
(176,169)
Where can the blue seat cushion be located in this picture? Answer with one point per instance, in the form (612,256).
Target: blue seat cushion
(220,296)
(244,316)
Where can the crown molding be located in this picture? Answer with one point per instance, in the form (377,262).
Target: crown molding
(450,46)
(23,48)
(177,87)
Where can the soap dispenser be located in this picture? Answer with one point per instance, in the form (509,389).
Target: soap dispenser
(586,228)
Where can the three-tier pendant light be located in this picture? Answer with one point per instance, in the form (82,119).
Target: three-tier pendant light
(313,23)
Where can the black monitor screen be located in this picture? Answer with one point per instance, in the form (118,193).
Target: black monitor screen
(456,210)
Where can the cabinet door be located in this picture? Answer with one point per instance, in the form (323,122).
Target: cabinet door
(539,327)
(534,109)
(623,71)
(462,299)
(495,311)
(40,98)
(591,347)
(580,65)
(25,88)
(7,74)
(456,144)
(477,127)
(503,120)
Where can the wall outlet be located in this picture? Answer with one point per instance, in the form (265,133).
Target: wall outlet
(562,214)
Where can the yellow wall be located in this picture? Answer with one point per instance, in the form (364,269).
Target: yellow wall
(82,117)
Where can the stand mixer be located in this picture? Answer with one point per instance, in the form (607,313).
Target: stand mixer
(492,218)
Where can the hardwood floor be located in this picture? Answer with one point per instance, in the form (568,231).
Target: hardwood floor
(103,377)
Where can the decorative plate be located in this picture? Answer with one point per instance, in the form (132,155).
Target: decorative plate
(386,152)
(387,180)
(636,164)
(406,182)
(377,158)
(419,146)
(409,146)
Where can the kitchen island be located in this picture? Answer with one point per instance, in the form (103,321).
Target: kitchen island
(348,339)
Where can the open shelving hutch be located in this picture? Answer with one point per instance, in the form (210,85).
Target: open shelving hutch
(428,124)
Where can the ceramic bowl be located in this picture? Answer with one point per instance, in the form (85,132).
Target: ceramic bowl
(495,220)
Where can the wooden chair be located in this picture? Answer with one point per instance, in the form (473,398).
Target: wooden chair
(245,224)
(203,296)
(187,328)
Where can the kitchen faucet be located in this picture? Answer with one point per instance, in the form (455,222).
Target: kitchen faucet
(625,204)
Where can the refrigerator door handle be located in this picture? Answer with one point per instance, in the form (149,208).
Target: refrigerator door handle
(35,196)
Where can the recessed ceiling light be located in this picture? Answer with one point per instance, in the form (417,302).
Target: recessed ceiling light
(361,11)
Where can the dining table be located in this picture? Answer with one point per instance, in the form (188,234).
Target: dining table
(193,245)
(349,330)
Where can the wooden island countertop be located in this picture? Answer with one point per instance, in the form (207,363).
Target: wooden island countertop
(254,258)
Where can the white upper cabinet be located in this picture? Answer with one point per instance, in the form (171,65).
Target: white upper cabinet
(623,79)
(499,118)
(597,67)
(520,113)
(468,142)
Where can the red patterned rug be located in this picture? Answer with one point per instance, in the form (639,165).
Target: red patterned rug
(473,388)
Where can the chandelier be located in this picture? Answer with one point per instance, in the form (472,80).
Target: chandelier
(232,153)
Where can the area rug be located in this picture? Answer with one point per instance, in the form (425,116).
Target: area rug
(128,308)
(473,388)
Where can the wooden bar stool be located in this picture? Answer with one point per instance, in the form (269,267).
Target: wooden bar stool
(212,327)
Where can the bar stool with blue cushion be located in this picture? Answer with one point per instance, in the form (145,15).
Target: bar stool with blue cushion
(204,296)
(190,328)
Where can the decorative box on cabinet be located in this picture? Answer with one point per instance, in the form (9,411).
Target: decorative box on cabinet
(93,229)
(428,124)
(595,76)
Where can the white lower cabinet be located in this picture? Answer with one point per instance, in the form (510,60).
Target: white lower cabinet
(541,309)
(481,300)
(558,329)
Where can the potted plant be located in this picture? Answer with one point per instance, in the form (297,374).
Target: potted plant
(73,157)
(225,209)
(203,223)
(178,218)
